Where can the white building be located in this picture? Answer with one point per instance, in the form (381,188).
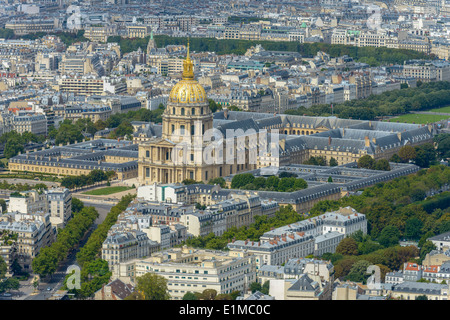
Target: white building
(193,270)
(172,193)
(59,206)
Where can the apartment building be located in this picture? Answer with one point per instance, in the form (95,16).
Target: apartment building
(100,33)
(277,250)
(172,193)
(34,232)
(28,202)
(85,86)
(306,287)
(85,111)
(81,64)
(169,66)
(193,270)
(313,236)
(59,206)
(123,246)
(34,123)
(138,31)
(8,249)
(23,27)
(294,268)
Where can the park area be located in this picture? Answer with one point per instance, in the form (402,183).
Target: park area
(419,118)
(107,190)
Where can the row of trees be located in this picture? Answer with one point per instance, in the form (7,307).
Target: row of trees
(285,215)
(273,183)
(424,97)
(321,161)
(83,180)
(4,185)
(355,253)
(9,283)
(423,155)
(401,203)
(14,142)
(94,270)
(371,55)
(68,38)
(368,162)
(48,259)
(71,132)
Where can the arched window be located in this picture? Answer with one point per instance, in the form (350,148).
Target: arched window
(173,110)
(182,111)
(192,130)
(201,111)
(193,111)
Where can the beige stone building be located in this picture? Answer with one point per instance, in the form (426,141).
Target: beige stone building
(81,85)
(100,33)
(181,153)
(138,31)
(34,231)
(193,270)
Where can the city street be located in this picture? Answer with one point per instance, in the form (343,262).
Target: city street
(47,287)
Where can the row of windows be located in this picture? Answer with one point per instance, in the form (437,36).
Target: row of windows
(183,111)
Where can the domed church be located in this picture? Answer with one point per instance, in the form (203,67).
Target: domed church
(185,121)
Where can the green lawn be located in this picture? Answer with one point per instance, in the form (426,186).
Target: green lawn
(107,190)
(419,118)
(442,110)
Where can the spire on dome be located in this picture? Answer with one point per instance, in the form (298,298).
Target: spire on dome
(188,67)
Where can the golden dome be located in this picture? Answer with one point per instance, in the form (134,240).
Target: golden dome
(188,90)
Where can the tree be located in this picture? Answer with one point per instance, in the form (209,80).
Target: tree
(358,272)
(347,246)
(190,296)
(272,182)
(45,263)
(219,180)
(208,294)
(421,297)
(333,162)
(413,228)
(77,205)
(389,236)
(427,247)
(255,286)
(3,268)
(300,184)
(383,165)
(241,180)
(424,238)
(3,205)
(395,158)
(135,296)
(417,194)
(366,162)
(223,296)
(407,153)
(68,133)
(265,287)
(153,286)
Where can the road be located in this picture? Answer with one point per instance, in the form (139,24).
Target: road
(58,277)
